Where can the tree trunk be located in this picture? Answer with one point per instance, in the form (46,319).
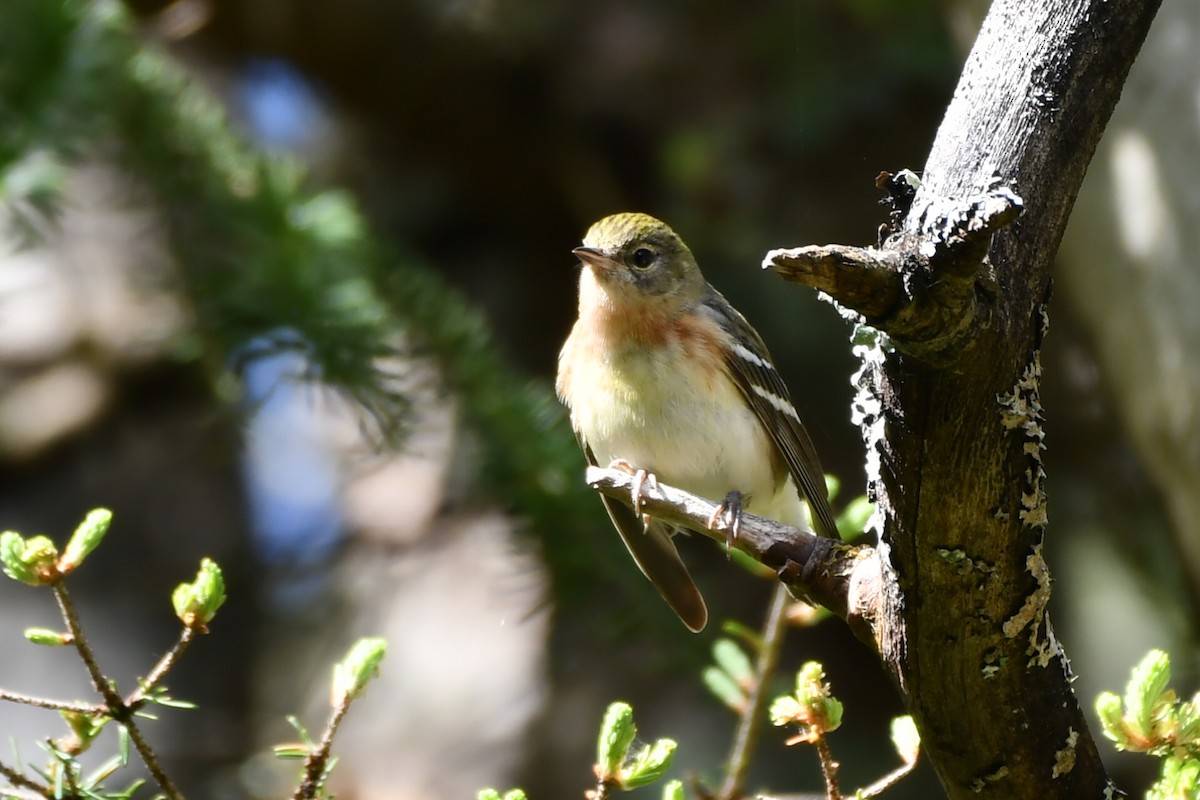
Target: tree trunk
(955,437)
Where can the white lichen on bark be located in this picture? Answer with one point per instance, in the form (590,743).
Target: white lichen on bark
(1064,759)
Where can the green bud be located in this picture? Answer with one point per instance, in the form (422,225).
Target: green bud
(733,660)
(87,536)
(725,688)
(1180,778)
(617,732)
(1144,691)
(361,664)
(906,739)
(832,712)
(673,791)
(812,706)
(47,637)
(196,603)
(813,691)
(648,765)
(12,546)
(29,561)
(492,794)
(84,730)
(1189,723)
(1112,719)
(785,710)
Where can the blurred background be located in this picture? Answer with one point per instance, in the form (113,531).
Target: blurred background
(316,342)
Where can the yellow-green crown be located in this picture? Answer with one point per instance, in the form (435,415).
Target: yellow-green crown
(616,231)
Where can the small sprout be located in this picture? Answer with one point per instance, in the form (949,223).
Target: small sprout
(30,561)
(492,794)
(1112,719)
(648,765)
(1189,721)
(158,696)
(732,677)
(812,707)
(352,673)
(1180,778)
(734,662)
(87,536)
(615,765)
(1147,699)
(750,637)
(906,739)
(673,791)
(725,688)
(47,637)
(617,732)
(196,603)
(84,730)
(1151,719)
(291,750)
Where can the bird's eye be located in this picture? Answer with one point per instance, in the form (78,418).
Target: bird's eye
(643,258)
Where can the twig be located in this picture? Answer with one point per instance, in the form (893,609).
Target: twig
(315,763)
(92,709)
(19,781)
(117,708)
(746,735)
(829,768)
(164,665)
(926,286)
(603,790)
(887,781)
(844,578)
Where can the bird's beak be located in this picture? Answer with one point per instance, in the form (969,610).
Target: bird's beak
(592,257)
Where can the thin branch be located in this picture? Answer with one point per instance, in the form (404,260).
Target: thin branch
(315,765)
(19,781)
(863,279)
(829,768)
(164,665)
(92,709)
(844,578)
(929,288)
(102,685)
(887,781)
(151,760)
(746,735)
(117,709)
(603,791)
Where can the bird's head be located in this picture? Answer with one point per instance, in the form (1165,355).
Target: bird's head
(637,259)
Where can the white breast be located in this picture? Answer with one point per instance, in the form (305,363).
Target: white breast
(686,423)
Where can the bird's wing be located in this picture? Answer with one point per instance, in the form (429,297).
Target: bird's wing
(755,375)
(657,558)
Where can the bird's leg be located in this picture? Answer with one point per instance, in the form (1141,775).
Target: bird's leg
(641,479)
(729,516)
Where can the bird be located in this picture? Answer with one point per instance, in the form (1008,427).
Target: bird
(664,378)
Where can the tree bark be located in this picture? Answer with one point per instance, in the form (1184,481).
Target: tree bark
(951,415)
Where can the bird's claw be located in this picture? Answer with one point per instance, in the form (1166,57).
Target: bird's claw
(641,479)
(728,515)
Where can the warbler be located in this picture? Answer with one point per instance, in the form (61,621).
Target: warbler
(663,376)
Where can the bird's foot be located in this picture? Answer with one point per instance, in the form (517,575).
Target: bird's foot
(728,515)
(641,479)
